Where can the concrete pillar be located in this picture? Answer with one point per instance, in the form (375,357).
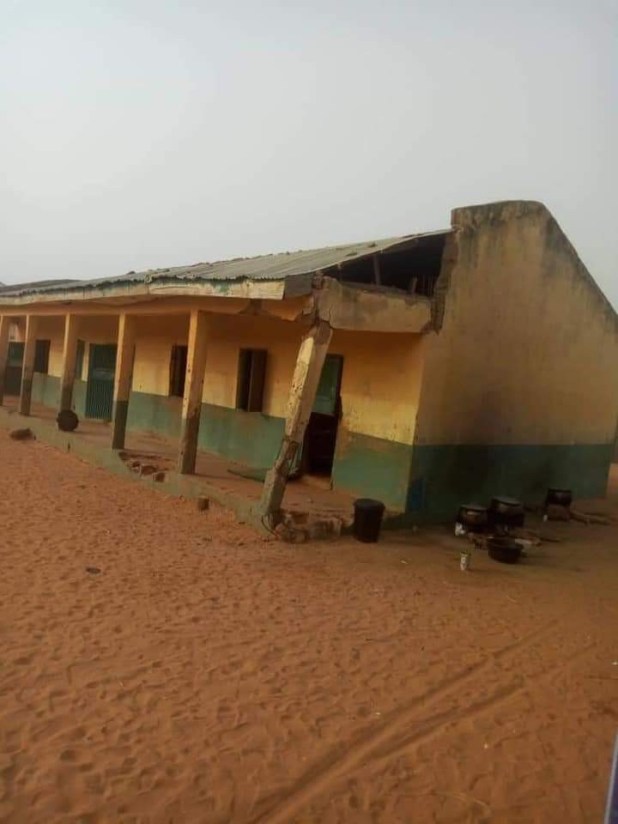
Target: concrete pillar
(4,352)
(69,359)
(309,363)
(125,353)
(27,372)
(192,400)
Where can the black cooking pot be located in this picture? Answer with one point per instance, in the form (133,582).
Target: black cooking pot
(559,497)
(506,512)
(67,420)
(504,550)
(473,516)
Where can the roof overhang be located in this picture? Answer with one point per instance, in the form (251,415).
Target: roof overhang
(120,293)
(363,309)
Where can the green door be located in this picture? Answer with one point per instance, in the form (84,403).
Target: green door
(317,451)
(100,388)
(327,395)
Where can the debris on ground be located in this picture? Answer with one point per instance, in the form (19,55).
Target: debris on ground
(290,534)
(21,434)
(525,538)
(146,465)
(590,518)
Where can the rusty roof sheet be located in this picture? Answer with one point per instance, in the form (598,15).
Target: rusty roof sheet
(274,267)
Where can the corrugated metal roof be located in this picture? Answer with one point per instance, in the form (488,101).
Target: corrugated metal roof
(37,284)
(274,267)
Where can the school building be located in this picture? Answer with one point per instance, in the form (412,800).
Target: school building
(424,370)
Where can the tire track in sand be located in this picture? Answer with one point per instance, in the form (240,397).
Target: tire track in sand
(390,739)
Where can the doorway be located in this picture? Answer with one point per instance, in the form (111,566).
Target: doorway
(12,380)
(100,387)
(321,435)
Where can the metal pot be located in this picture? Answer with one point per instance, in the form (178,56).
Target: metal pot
(506,512)
(559,497)
(473,516)
(67,420)
(504,550)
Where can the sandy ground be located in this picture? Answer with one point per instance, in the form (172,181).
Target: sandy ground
(208,675)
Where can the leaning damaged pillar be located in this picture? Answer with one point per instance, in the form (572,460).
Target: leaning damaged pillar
(69,359)
(192,399)
(4,352)
(125,352)
(27,372)
(309,363)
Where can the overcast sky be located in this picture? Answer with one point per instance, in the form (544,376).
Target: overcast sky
(144,133)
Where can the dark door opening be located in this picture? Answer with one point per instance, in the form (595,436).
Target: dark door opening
(12,380)
(41,356)
(321,435)
(178,370)
(100,388)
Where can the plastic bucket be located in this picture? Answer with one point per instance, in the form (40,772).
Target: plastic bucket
(368,516)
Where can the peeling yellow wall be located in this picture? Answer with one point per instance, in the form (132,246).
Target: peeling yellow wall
(528,351)
(90,330)
(381,373)
(376,400)
(381,383)
(155,338)
(48,328)
(225,339)
(52,329)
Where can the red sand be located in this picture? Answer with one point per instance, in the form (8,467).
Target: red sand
(208,675)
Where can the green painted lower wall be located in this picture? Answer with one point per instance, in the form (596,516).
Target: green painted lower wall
(364,465)
(79,398)
(444,477)
(12,381)
(373,468)
(46,390)
(155,413)
(426,482)
(247,437)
